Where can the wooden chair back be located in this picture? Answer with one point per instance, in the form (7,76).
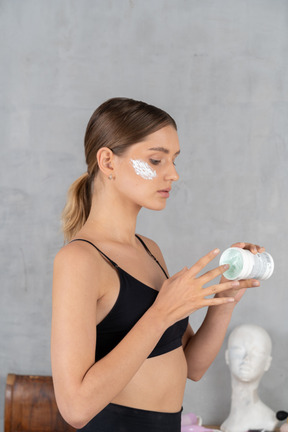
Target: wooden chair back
(30,405)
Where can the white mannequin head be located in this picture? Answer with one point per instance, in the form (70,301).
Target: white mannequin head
(249,353)
(249,357)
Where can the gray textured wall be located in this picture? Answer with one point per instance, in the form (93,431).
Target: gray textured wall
(220,68)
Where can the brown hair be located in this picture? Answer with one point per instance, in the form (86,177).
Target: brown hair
(117,124)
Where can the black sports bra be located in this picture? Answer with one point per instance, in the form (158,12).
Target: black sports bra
(133,300)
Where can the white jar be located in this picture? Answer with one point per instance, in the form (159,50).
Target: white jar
(245,265)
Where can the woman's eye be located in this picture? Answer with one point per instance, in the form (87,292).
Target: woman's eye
(154,161)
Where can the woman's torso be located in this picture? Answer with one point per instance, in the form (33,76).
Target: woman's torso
(160,382)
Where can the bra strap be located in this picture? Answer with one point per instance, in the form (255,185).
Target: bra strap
(150,253)
(102,253)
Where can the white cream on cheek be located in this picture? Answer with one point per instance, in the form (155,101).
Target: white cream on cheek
(142,169)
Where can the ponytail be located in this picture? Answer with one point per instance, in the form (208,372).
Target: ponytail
(77,208)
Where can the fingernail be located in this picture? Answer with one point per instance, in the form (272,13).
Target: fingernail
(226,266)
(235,283)
(216,251)
(255,284)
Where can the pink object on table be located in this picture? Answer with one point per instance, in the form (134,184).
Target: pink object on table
(284,427)
(191,419)
(194,428)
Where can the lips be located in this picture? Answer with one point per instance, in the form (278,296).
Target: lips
(164,192)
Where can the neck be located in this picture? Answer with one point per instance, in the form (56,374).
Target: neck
(112,218)
(244,393)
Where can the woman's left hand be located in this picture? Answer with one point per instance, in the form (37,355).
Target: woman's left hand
(244,284)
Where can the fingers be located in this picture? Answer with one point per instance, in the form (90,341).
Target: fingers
(219,288)
(180,273)
(217,301)
(231,285)
(212,274)
(255,248)
(249,283)
(249,246)
(202,262)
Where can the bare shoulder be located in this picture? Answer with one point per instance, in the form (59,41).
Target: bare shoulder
(77,264)
(77,252)
(155,249)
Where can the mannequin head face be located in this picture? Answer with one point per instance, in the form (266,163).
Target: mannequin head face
(249,353)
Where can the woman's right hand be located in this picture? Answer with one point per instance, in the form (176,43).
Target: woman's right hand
(184,292)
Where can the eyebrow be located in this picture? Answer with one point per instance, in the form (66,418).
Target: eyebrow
(163,149)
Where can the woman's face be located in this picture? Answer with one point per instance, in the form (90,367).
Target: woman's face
(145,173)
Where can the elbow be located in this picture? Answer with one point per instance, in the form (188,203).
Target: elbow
(76,414)
(76,422)
(195,376)
(73,417)
(196,372)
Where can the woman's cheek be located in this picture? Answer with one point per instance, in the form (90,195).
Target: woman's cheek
(143,169)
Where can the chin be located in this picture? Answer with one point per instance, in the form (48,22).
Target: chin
(246,376)
(155,207)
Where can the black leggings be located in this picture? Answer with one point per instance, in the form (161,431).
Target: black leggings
(118,418)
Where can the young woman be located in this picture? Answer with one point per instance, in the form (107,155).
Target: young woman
(122,347)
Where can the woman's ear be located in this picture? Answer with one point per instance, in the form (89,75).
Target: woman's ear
(105,160)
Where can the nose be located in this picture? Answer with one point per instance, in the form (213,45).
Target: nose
(247,357)
(172,173)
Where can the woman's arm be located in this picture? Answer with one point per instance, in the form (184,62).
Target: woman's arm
(82,387)
(202,347)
